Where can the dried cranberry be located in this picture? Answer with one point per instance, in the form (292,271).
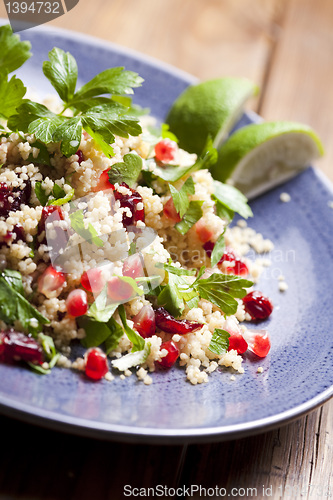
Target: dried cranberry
(46,213)
(11,199)
(257,305)
(172,356)
(130,201)
(166,322)
(144,321)
(16,346)
(51,214)
(17,234)
(80,156)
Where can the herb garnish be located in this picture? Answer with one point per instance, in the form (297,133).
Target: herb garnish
(219,342)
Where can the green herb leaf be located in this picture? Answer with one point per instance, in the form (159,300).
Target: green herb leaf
(49,349)
(43,157)
(232,199)
(66,198)
(96,331)
(218,250)
(132,359)
(193,214)
(61,70)
(40,193)
(222,289)
(99,310)
(220,341)
(127,171)
(90,233)
(102,139)
(179,271)
(69,133)
(222,211)
(13,305)
(11,95)
(13,52)
(111,81)
(181,197)
(137,341)
(116,332)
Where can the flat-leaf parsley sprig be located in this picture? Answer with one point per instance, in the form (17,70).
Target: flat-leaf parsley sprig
(100,116)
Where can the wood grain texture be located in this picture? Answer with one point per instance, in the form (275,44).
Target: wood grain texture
(287,48)
(298,85)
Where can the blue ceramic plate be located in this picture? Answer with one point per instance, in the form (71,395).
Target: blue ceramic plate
(297,374)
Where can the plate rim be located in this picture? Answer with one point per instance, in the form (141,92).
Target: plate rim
(94,429)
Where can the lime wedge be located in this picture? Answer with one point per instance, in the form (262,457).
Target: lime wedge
(260,156)
(210,108)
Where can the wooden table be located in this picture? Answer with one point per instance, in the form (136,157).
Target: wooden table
(287,48)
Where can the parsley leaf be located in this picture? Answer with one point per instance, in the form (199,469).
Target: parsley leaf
(61,198)
(222,211)
(193,214)
(62,71)
(13,304)
(180,198)
(13,53)
(89,233)
(232,199)
(11,94)
(220,341)
(222,290)
(96,331)
(127,171)
(69,133)
(138,342)
(40,193)
(116,332)
(218,250)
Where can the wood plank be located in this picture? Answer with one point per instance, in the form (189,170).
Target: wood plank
(294,461)
(208,38)
(298,87)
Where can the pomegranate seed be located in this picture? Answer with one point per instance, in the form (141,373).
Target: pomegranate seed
(92,280)
(103,182)
(133,267)
(240,268)
(257,305)
(50,281)
(166,322)
(118,290)
(203,233)
(236,340)
(130,201)
(96,363)
(80,156)
(165,150)
(172,356)
(15,346)
(77,303)
(258,342)
(170,212)
(144,321)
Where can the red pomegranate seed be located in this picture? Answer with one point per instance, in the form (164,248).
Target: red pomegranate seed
(50,281)
(92,280)
(130,201)
(258,342)
(133,266)
(170,212)
(96,363)
(240,268)
(257,305)
(236,339)
(172,356)
(15,346)
(77,303)
(166,322)
(165,150)
(103,182)
(118,290)
(203,233)
(80,156)
(144,321)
